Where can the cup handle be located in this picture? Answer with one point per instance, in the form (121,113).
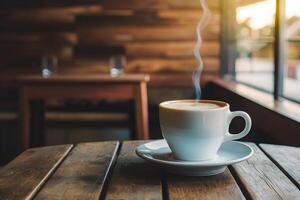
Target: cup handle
(246,117)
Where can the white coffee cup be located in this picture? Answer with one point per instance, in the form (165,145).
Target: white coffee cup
(195,129)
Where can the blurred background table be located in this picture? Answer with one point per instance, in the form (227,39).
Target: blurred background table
(110,170)
(87,87)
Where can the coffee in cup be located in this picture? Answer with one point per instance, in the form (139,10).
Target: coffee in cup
(195,129)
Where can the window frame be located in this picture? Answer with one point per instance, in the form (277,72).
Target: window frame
(228,45)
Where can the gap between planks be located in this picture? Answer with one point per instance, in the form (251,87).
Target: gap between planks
(88,153)
(110,171)
(49,174)
(269,186)
(239,182)
(280,167)
(164,185)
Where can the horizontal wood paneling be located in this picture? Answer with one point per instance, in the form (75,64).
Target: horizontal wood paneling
(171,49)
(155,4)
(156,36)
(150,49)
(125,33)
(29,38)
(174,65)
(150,17)
(13,4)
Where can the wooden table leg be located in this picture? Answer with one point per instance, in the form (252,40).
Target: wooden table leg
(37,123)
(23,138)
(141,112)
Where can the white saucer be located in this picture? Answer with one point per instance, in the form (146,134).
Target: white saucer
(229,153)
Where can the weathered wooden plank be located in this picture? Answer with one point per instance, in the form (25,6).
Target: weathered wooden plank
(134,178)
(161,85)
(112,4)
(182,49)
(147,18)
(25,175)
(50,13)
(27,55)
(137,18)
(186,16)
(261,179)
(154,4)
(45,4)
(287,158)
(44,19)
(16,48)
(82,174)
(98,50)
(38,38)
(86,66)
(27,27)
(170,49)
(94,35)
(157,65)
(34,49)
(143,65)
(221,186)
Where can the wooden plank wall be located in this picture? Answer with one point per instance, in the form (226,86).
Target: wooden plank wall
(157,36)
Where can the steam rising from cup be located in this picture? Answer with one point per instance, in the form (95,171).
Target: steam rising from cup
(201,24)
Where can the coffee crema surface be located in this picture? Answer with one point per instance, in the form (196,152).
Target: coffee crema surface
(191,105)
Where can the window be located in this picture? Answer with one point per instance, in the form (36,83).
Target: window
(292,39)
(267,45)
(254,44)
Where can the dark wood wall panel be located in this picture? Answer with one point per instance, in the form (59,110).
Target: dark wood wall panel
(156,36)
(155,40)
(155,4)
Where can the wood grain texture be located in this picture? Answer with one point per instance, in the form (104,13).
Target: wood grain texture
(181,49)
(69,38)
(25,175)
(261,178)
(45,4)
(154,4)
(124,33)
(159,65)
(287,158)
(221,186)
(171,49)
(134,178)
(188,16)
(45,15)
(82,174)
(152,17)
(101,78)
(149,65)
(149,29)
(141,111)
(26,50)
(63,51)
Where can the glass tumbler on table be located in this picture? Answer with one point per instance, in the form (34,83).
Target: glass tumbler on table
(49,65)
(117,64)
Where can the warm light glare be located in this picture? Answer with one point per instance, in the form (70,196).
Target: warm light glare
(262,13)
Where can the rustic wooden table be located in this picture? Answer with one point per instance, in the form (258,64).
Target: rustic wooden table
(91,87)
(112,170)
